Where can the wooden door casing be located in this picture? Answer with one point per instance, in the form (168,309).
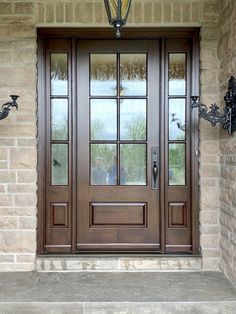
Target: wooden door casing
(58,206)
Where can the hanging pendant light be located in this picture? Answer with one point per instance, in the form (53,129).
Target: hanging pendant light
(117,13)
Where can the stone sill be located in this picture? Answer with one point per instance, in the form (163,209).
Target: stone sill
(119,263)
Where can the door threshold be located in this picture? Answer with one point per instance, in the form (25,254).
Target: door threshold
(112,262)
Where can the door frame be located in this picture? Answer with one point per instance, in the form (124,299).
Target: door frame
(107,33)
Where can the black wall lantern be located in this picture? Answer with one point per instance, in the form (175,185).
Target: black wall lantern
(7,107)
(227,118)
(117,13)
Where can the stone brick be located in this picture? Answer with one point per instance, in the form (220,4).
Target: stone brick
(27,176)
(25,200)
(195,12)
(7,176)
(69,12)
(6,8)
(176,12)
(84,12)
(21,188)
(27,223)
(22,158)
(211,7)
(167,13)
(6,258)
(138,12)
(147,6)
(24,7)
(98,12)
(59,12)
(157,12)
(25,258)
(8,223)
(6,200)
(49,12)
(17,241)
(186,17)
(41,12)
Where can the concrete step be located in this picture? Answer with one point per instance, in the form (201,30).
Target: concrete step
(118,292)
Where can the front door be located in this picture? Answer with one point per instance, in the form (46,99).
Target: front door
(117,145)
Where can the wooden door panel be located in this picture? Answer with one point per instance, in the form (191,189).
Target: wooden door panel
(131,218)
(118,214)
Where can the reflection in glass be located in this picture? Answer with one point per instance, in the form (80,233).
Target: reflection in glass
(176,119)
(103,74)
(133,75)
(133,164)
(59,119)
(103,164)
(133,119)
(59,164)
(59,74)
(177,73)
(176,164)
(103,119)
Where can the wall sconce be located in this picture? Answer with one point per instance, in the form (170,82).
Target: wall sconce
(117,13)
(227,118)
(7,107)
(178,122)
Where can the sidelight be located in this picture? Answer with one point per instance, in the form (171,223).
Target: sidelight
(177,74)
(59,164)
(177,164)
(59,119)
(59,74)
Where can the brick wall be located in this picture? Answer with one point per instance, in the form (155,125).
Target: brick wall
(18,133)
(227,56)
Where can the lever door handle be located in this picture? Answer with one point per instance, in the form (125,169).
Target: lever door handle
(154,167)
(155,173)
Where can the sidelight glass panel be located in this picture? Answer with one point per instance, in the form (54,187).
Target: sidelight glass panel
(59,164)
(103,169)
(133,164)
(177,119)
(133,75)
(133,119)
(59,74)
(177,74)
(103,119)
(177,164)
(103,74)
(59,119)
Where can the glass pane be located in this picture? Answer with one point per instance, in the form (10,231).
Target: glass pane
(103,164)
(133,164)
(59,74)
(133,75)
(133,119)
(103,74)
(177,73)
(176,164)
(59,119)
(59,162)
(176,119)
(103,119)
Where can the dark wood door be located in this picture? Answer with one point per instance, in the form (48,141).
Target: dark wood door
(118,146)
(118,143)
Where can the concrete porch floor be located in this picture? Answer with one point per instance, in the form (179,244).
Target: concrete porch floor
(117,292)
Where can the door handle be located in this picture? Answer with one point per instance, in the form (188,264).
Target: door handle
(154,167)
